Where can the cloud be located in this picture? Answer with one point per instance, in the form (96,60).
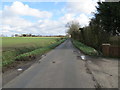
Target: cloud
(80,11)
(52,27)
(43,27)
(83,6)
(83,20)
(67,17)
(13,21)
(15,25)
(18,8)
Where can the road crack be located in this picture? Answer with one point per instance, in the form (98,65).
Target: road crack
(97,85)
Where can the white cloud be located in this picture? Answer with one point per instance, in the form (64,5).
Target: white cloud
(83,20)
(80,11)
(13,22)
(67,17)
(42,27)
(52,27)
(18,8)
(83,6)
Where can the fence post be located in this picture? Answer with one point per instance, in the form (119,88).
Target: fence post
(105,49)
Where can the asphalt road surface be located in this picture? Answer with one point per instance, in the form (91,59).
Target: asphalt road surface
(64,68)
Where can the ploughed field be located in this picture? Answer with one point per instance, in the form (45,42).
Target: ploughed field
(24,48)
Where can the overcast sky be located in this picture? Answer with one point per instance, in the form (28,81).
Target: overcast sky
(44,18)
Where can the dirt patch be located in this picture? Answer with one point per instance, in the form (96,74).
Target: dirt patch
(11,71)
(18,63)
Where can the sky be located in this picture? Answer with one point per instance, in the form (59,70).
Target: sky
(44,18)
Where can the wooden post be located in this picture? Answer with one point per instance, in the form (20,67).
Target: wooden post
(105,49)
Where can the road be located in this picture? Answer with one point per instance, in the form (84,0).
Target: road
(63,68)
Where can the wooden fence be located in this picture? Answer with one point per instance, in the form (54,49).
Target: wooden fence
(110,50)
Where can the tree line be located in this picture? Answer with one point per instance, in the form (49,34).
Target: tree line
(104,24)
(32,35)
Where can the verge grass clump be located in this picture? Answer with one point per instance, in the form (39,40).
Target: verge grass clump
(84,48)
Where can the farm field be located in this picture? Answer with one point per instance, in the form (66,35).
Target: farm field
(10,43)
(23,47)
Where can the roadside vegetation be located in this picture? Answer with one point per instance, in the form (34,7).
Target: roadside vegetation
(84,48)
(26,48)
(103,28)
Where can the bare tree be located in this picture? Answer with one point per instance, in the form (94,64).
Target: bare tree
(73,29)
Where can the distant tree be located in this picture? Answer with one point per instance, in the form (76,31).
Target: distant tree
(29,35)
(16,35)
(12,35)
(2,35)
(24,35)
(73,29)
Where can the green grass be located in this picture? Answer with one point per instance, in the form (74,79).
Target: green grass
(85,49)
(9,43)
(26,48)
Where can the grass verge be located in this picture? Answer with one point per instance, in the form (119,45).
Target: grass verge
(84,48)
(29,55)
